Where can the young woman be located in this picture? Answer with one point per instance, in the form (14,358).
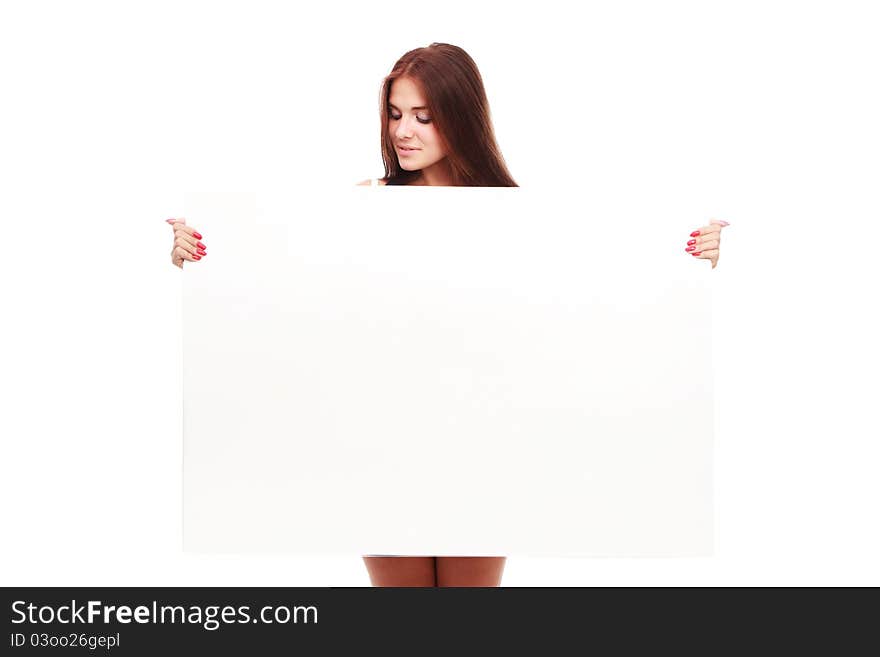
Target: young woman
(436,130)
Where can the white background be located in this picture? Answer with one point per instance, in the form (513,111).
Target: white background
(763,114)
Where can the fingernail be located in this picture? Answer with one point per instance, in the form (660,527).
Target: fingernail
(696,253)
(695,233)
(690,248)
(170,221)
(691,242)
(201,252)
(197,257)
(723,223)
(200,245)
(196,235)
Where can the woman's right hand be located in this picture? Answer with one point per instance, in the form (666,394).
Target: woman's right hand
(186,243)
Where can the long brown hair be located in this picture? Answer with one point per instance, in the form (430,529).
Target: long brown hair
(453,88)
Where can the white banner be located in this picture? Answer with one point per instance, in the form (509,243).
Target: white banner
(445,371)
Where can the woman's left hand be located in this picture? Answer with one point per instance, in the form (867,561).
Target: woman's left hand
(704,242)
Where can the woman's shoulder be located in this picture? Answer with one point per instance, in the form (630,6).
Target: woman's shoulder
(372,181)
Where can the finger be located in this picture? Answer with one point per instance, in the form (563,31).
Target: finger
(703,242)
(713,229)
(173,221)
(181,238)
(714,226)
(179,225)
(181,241)
(181,252)
(706,242)
(188,230)
(712,253)
(696,248)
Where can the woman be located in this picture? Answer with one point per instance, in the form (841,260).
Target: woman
(436,130)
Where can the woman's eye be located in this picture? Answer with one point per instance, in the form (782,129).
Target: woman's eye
(420,119)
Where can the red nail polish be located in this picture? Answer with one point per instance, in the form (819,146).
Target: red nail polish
(201,252)
(696,253)
(694,234)
(690,248)
(200,245)
(196,235)
(690,242)
(197,257)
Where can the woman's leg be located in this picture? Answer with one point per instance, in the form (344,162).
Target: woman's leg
(401,571)
(470,571)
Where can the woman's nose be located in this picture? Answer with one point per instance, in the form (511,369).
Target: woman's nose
(404,128)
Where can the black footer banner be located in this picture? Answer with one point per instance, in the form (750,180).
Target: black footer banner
(151,621)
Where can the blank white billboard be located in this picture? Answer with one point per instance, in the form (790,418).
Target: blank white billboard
(445,371)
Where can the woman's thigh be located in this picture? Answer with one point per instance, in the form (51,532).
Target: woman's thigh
(401,571)
(470,571)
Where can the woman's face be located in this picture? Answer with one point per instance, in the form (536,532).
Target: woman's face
(411,127)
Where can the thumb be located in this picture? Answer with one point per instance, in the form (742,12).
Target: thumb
(173,221)
(720,222)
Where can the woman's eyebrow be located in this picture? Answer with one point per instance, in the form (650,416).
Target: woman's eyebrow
(393,106)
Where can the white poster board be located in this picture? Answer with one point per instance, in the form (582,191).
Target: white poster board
(443,371)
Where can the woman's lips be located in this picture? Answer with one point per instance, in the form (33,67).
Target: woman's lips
(404,150)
